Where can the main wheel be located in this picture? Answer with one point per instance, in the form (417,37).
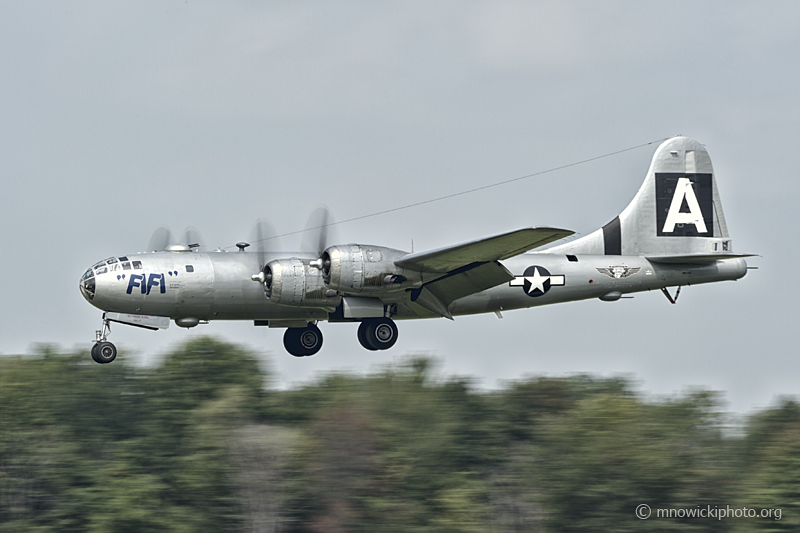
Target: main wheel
(310,339)
(380,333)
(104,352)
(302,342)
(362,336)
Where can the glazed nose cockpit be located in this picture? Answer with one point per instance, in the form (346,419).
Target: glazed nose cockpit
(88,282)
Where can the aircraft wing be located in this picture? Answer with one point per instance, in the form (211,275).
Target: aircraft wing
(494,248)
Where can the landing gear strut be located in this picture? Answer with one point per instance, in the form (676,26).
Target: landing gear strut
(669,297)
(377,333)
(103,351)
(303,342)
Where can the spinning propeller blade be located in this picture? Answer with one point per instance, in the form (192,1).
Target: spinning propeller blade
(191,236)
(320,232)
(161,238)
(264,239)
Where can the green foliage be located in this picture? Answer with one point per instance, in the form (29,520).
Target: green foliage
(198,444)
(771,469)
(610,453)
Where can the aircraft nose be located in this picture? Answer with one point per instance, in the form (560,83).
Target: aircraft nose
(87,284)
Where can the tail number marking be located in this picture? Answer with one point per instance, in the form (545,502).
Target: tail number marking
(684,205)
(684,191)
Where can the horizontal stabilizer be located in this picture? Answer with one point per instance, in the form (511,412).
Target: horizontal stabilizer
(494,248)
(694,258)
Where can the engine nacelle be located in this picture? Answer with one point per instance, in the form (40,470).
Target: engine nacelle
(293,282)
(363,269)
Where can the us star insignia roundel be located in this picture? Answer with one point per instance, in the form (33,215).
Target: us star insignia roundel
(536,281)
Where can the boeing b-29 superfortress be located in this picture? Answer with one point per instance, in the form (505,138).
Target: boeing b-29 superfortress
(672,234)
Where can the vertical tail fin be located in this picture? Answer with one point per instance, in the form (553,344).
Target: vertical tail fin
(677,210)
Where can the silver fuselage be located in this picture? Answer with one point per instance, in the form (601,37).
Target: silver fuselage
(218,285)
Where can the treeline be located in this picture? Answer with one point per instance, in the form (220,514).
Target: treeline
(200,443)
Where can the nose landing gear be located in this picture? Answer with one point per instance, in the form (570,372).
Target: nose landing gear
(103,351)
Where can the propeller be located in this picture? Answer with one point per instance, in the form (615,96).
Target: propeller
(319,232)
(163,237)
(160,239)
(264,239)
(192,237)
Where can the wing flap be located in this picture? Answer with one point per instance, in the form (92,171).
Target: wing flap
(437,296)
(485,250)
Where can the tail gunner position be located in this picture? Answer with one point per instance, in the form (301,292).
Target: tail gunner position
(672,234)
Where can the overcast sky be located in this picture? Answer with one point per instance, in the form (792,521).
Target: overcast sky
(116,117)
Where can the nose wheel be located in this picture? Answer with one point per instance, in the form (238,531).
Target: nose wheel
(103,351)
(377,333)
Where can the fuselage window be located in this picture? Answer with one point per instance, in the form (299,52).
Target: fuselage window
(126,266)
(137,265)
(123,258)
(113,267)
(111,260)
(572,259)
(189,268)
(101,270)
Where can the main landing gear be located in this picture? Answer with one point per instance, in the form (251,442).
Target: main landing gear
(103,351)
(377,333)
(373,334)
(303,342)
